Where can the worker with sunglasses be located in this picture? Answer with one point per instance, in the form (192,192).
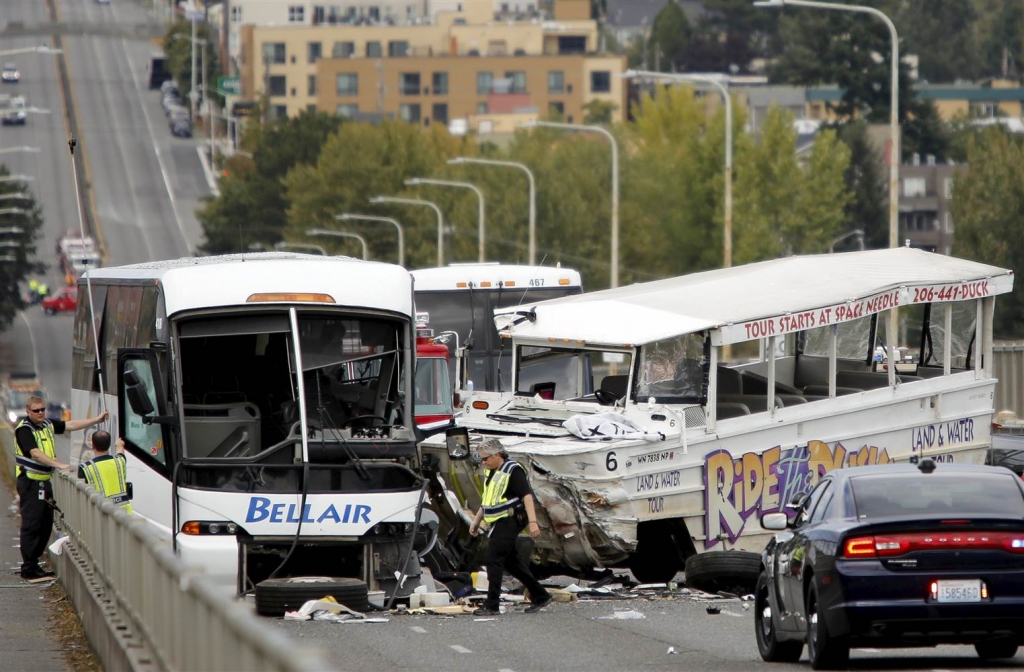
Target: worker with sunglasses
(36,460)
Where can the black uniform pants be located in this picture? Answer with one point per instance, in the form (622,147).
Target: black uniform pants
(504,554)
(36,520)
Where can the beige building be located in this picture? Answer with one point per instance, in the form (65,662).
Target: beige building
(492,93)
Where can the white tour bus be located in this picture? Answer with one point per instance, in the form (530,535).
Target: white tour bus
(462,298)
(261,398)
(771,370)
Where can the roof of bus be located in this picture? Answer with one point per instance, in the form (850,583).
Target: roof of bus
(194,283)
(510,275)
(771,297)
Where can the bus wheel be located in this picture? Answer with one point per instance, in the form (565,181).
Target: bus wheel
(724,571)
(276,596)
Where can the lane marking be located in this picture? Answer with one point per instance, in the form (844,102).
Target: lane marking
(506,669)
(32,341)
(732,613)
(416,628)
(460,649)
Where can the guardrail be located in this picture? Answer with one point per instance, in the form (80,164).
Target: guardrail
(144,609)
(1008,367)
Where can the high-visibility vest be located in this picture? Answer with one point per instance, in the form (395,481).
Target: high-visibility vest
(495,505)
(108,474)
(44,436)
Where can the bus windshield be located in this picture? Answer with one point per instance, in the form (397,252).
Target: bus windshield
(350,369)
(470,314)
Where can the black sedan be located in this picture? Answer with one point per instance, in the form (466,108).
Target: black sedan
(895,556)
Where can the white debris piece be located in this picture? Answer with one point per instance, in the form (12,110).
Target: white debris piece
(623,616)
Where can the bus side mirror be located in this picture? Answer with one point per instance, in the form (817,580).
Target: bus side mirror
(457,441)
(138,397)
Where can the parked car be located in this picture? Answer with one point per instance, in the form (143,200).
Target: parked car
(170,86)
(171,101)
(181,128)
(65,299)
(10,74)
(895,556)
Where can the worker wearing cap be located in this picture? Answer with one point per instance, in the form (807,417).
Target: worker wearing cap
(106,473)
(507,497)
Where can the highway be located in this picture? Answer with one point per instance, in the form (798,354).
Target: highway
(146,184)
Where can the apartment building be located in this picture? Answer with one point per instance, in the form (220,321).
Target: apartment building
(284,62)
(925,217)
(492,93)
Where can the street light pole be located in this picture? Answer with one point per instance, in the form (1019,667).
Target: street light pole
(481,226)
(348,216)
(532,249)
(848,234)
(894,99)
(430,204)
(615,183)
(341,234)
(717,82)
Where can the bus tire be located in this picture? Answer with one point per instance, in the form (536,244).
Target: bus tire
(276,596)
(724,571)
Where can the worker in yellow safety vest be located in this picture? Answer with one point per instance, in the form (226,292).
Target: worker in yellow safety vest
(36,459)
(507,507)
(106,473)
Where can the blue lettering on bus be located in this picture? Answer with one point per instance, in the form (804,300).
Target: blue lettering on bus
(261,509)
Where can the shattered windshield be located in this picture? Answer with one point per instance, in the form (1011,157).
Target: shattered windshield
(673,370)
(561,373)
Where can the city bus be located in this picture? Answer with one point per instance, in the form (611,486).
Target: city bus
(262,400)
(461,299)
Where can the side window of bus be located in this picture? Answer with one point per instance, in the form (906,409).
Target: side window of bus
(146,438)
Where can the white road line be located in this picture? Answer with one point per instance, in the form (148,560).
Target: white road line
(416,628)
(460,649)
(732,613)
(32,340)
(506,669)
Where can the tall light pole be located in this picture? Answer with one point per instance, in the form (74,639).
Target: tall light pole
(349,217)
(194,40)
(461,160)
(30,50)
(11,231)
(13,211)
(615,182)
(299,247)
(481,225)
(341,234)
(848,234)
(430,204)
(717,82)
(894,99)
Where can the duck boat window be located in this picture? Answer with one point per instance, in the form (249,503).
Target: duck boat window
(674,370)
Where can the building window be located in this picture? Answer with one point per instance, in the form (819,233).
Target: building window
(556,109)
(236,14)
(279,111)
(273,52)
(296,13)
(440,113)
(948,188)
(409,112)
(343,49)
(278,85)
(373,50)
(311,86)
(516,81)
(484,81)
(314,51)
(311,108)
(481,108)
(347,110)
(556,81)
(440,84)
(409,83)
(496,48)
(600,81)
(348,84)
(572,44)
(913,186)
(398,48)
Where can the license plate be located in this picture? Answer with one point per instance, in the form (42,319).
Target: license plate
(960,590)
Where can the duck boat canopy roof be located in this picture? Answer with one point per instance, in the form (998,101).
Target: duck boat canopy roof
(769,298)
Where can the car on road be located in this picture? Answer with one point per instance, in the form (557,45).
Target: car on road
(16,392)
(13,111)
(181,128)
(896,555)
(10,74)
(64,300)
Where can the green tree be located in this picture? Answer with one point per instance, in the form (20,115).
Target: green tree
(252,206)
(670,37)
(599,111)
(867,208)
(1003,45)
(988,197)
(784,208)
(731,34)
(18,262)
(943,34)
(178,49)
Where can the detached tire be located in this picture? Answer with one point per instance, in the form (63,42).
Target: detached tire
(724,571)
(276,596)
